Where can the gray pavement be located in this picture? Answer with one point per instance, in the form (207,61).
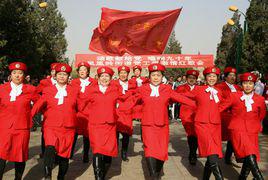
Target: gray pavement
(177,167)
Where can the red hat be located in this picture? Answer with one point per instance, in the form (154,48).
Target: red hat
(124,68)
(156,67)
(105,69)
(63,67)
(229,70)
(215,70)
(17,66)
(86,64)
(53,66)
(137,67)
(193,72)
(248,77)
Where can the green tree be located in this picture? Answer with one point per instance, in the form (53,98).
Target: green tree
(173,47)
(255,47)
(227,48)
(33,35)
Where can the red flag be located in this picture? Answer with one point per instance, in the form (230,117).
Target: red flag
(135,33)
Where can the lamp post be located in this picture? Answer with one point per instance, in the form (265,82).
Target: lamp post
(239,42)
(43,4)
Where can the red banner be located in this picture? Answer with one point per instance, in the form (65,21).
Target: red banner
(169,60)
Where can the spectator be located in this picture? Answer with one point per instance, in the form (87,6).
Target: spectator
(259,86)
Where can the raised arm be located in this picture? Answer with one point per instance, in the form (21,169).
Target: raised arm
(182,98)
(226,103)
(38,106)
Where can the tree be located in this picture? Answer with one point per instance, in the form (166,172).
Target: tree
(33,35)
(227,48)
(255,47)
(173,47)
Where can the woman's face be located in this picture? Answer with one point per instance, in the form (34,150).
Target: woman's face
(211,79)
(104,79)
(191,80)
(156,77)
(248,86)
(83,72)
(123,75)
(62,78)
(137,73)
(17,76)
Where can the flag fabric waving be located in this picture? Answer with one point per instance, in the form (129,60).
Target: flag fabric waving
(134,33)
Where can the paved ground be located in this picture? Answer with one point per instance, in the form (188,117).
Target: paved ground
(176,167)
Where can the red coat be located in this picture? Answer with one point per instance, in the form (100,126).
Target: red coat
(82,122)
(101,111)
(124,121)
(226,115)
(136,114)
(43,83)
(207,122)
(155,129)
(59,120)
(245,126)
(16,114)
(186,114)
(76,82)
(15,122)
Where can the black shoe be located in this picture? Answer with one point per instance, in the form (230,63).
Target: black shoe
(41,155)
(192,159)
(124,156)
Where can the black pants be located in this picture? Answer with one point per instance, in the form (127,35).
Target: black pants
(154,166)
(86,146)
(212,166)
(42,145)
(228,153)
(101,165)
(49,158)
(19,169)
(125,140)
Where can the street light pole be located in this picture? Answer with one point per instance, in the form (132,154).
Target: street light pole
(239,42)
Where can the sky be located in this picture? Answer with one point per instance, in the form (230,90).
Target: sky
(198,28)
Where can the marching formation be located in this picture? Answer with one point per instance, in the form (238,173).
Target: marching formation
(103,109)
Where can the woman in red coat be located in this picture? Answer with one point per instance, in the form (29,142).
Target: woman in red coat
(247,110)
(15,115)
(124,121)
(49,81)
(100,103)
(207,122)
(227,87)
(155,98)
(59,104)
(187,115)
(82,83)
(138,80)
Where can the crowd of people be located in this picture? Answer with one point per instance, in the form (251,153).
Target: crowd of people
(102,108)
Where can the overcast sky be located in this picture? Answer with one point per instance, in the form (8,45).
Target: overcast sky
(198,28)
